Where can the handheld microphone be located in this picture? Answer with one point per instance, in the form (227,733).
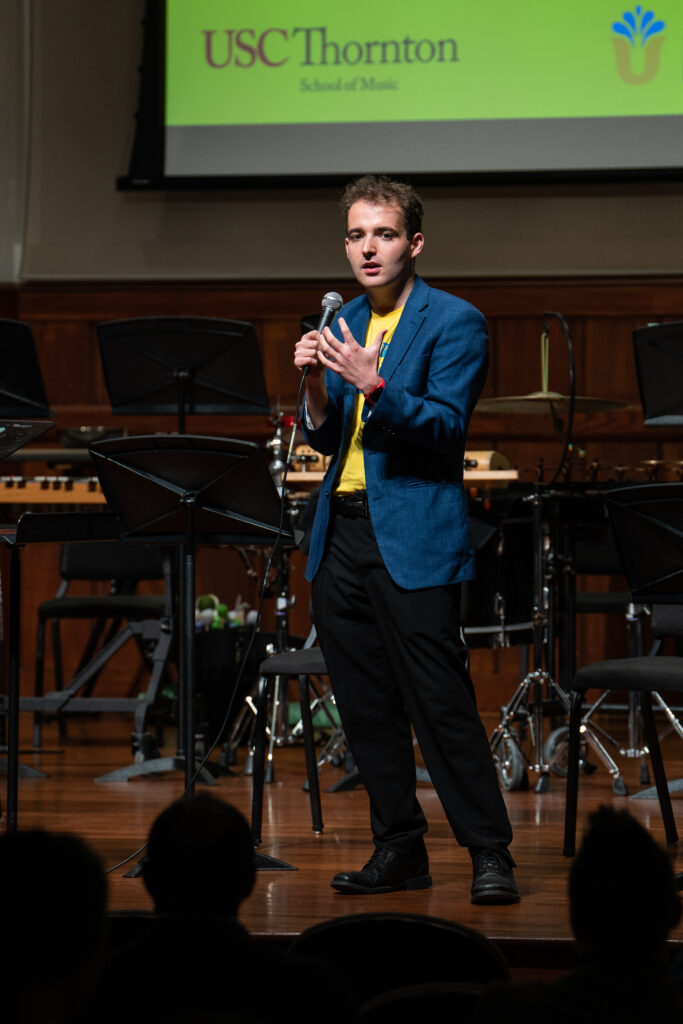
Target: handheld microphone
(332,302)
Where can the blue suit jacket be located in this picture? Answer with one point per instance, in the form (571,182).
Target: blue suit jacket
(413,439)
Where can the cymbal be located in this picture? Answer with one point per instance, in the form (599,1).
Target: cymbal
(546,402)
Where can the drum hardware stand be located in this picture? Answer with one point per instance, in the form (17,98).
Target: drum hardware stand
(505,744)
(277,730)
(511,764)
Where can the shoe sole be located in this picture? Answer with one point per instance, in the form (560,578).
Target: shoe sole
(421,882)
(494,897)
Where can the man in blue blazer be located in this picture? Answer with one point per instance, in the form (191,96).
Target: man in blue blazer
(389,393)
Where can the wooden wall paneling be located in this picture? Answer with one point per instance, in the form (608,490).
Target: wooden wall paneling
(653,298)
(67,359)
(8,302)
(610,364)
(496,674)
(97,386)
(299,617)
(559,356)
(282,378)
(572,296)
(515,367)
(672,452)
(252,300)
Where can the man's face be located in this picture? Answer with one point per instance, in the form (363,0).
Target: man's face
(377,246)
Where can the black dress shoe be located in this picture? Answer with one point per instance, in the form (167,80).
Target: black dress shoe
(386,871)
(492,879)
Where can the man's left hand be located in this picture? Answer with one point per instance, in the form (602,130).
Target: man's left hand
(354,363)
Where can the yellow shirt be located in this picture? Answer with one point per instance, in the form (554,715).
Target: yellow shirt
(352,475)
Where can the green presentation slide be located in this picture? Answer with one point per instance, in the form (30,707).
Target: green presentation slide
(271,63)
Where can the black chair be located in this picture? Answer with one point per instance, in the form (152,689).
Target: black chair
(119,615)
(380,952)
(436,1000)
(124,927)
(593,552)
(306,663)
(648,526)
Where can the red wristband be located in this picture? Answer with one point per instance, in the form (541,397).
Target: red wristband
(373,395)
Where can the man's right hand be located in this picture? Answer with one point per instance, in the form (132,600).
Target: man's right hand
(306,355)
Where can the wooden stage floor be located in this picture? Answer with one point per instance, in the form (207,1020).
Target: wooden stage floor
(115,819)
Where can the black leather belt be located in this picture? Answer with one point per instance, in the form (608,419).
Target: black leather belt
(353,506)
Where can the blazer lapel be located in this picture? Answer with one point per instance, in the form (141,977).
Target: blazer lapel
(412,318)
(358,321)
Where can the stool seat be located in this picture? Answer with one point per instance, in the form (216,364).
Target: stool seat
(125,606)
(596,602)
(308,661)
(633,674)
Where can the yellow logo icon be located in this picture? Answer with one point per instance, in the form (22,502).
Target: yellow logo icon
(638,45)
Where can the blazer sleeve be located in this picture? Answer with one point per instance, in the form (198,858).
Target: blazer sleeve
(327,437)
(430,402)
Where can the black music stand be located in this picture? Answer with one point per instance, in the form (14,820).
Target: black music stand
(22,391)
(658,349)
(648,528)
(182,365)
(186,490)
(14,434)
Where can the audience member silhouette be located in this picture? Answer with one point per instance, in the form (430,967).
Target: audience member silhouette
(200,859)
(623,903)
(194,962)
(53,905)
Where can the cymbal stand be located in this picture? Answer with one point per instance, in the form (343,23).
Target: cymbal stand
(527,703)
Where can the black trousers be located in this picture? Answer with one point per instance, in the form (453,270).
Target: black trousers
(397,657)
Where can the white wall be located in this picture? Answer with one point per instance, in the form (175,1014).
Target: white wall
(84,90)
(12,135)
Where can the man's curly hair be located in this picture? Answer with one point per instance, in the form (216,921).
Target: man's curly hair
(384,191)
